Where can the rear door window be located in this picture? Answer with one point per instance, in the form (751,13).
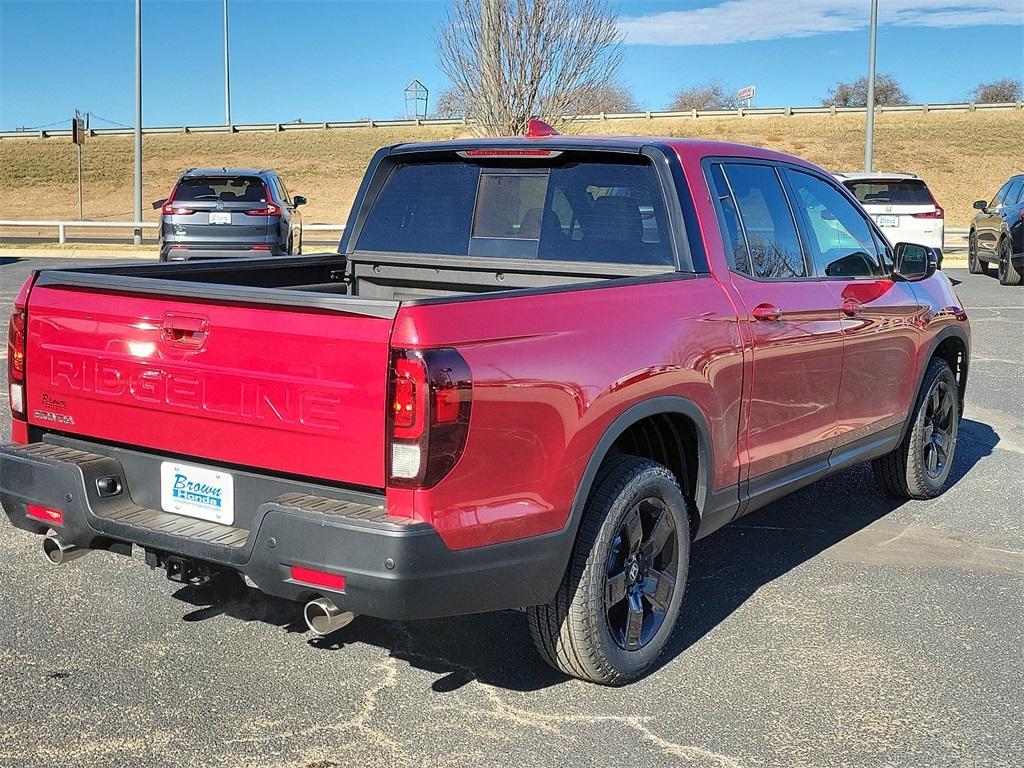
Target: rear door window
(580,211)
(891,192)
(767,221)
(729,219)
(222,189)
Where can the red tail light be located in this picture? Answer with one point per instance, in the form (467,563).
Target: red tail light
(16,341)
(170,209)
(938,213)
(261,247)
(271,209)
(16,344)
(431,399)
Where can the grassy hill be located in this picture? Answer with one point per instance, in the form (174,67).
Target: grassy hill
(964,156)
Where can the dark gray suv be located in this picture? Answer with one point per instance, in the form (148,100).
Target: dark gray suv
(216,213)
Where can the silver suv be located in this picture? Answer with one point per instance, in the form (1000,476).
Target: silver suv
(216,213)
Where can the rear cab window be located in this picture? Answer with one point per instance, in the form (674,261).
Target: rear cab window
(568,209)
(223,189)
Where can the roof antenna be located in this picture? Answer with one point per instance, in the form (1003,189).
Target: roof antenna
(538,129)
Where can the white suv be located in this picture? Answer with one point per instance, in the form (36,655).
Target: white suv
(902,205)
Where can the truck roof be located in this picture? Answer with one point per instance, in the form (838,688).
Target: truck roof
(682,146)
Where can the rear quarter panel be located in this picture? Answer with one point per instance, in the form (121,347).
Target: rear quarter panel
(551,372)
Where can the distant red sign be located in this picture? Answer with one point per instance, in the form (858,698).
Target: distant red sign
(746,93)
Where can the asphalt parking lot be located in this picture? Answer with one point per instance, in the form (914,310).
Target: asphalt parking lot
(835,627)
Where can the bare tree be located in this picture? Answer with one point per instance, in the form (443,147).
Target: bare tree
(611,98)
(450,103)
(710,95)
(998,91)
(510,60)
(855,93)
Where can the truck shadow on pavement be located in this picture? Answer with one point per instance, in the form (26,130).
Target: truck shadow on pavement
(726,569)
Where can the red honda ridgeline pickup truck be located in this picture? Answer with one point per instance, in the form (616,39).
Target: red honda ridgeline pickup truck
(535,372)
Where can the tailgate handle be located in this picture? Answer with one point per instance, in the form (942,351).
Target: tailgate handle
(184,330)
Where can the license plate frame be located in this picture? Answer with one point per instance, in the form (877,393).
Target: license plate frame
(199,492)
(220,217)
(889,222)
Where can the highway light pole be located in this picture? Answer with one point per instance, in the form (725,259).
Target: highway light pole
(869,129)
(227,71)
(138,120)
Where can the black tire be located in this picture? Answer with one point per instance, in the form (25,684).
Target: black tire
(975,265)
(919,467)
(579,633)
(1008,273)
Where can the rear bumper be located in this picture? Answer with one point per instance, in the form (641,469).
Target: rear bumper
(394,568)
(171,252)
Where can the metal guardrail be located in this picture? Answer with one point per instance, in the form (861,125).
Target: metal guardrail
(63,226)
(648,115)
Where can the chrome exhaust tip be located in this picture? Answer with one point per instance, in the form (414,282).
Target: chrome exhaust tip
(57,551)
(323,617)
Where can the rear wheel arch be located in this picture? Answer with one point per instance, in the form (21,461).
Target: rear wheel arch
(669,430)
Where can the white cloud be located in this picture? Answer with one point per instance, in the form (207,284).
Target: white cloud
(737,21)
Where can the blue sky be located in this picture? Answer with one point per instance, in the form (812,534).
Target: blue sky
(334,60)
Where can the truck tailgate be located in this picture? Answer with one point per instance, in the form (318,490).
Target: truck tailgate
(294,390)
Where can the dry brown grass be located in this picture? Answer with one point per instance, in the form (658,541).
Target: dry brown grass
(964,156)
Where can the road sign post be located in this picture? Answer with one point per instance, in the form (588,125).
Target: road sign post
(869,127)
(746,95)
(79,128)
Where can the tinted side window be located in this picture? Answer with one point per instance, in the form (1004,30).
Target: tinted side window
(1013,193)
(729,221)
(840,238)
(1000,196)
(282,191)
(767,221)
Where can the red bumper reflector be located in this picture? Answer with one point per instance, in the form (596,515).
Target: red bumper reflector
(46,514)
(333,581)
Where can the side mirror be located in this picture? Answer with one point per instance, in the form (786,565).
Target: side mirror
(298,200)
(981,205)
(159,203)
(914,262)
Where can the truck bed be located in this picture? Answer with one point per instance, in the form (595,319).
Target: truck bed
(364,284)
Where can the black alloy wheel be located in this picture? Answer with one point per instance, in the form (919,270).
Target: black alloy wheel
(940,423)
(641,576)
